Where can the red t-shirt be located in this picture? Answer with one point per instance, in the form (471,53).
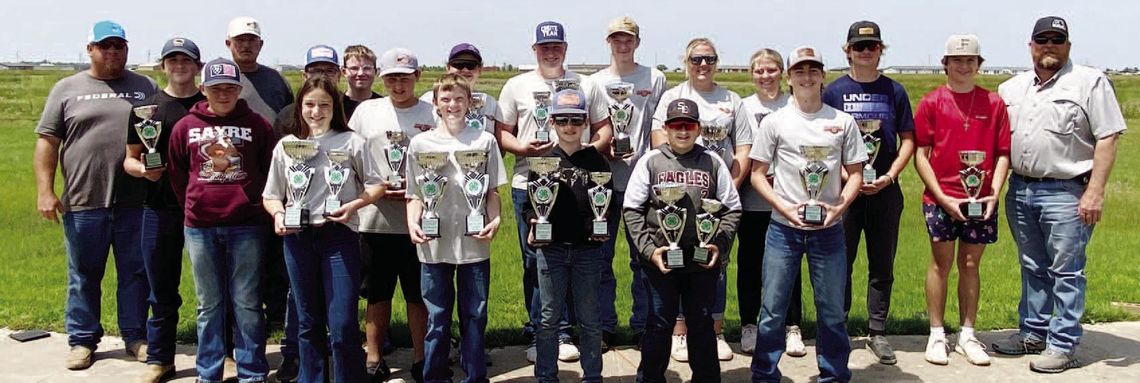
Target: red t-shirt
(939,122)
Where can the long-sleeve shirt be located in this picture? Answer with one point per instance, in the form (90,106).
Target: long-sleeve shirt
(571,216)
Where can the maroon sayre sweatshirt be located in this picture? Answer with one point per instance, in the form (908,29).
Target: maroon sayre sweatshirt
(218,166)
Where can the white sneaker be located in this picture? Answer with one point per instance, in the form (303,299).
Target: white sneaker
(974,351)
(723,350)
(567,351)
(680,349)
(531,353)
(936,350)
(748,339)
(794,342)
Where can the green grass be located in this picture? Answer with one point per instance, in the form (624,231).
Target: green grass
(33,263)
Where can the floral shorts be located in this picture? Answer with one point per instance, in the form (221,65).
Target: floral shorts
(943,228)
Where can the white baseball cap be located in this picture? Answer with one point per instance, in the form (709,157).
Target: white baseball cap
(244,25)
(963,45)
(804,54)
(398,60)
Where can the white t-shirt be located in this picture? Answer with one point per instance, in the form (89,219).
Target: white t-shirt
(453,246)
(752,200)
(648,85)
(781,135)
(719,106)
(516,101)
(490,109)
(372,119)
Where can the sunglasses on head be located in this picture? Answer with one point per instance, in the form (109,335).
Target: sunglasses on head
(111,43)
(696,60)
(464,65)
(865,45)
(683,125)
(1055,39)
(569,120)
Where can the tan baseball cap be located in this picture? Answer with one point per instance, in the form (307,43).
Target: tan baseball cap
(963,45)
(623,24)
(804,54)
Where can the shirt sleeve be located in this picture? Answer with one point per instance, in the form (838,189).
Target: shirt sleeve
(924,120)
(637,189)
(275,181)
(599,101)
(725,188)
(1105,117)
(854,151)
(764,144)
(742,134)
(496,163)
(903,112)
(508,104)
(178,164)
(1001,118)
(660,112)
(51,120)
(635,210)
(364,163)
(132,134)
(411,171)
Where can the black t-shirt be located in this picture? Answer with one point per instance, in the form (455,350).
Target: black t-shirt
(572,216)
(350,105)
(159,195)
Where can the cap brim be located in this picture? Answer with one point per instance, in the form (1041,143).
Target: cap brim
(1054,30)
(859,39)
(220,82)
(101,39)
(801,61)
(548,41)
(179,50)
(678,118)
(458,56)
(621,31)
(398,70)
(322,60)
(567,111)
(244,33)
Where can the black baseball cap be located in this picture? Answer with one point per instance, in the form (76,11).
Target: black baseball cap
(864,31)
(180,45)
(1051,24)
(682,109)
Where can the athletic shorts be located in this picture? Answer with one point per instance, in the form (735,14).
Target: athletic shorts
(943,228)
(390,258)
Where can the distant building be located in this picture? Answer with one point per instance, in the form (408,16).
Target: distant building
(287,68)
(586,68)
(1006,70)
(912,69)
(154,67)
(17,66)
(733,68)
(527,67)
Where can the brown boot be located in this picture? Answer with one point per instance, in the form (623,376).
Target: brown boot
(155,373)
(80,357)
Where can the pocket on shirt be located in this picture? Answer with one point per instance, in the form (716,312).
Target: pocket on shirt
(1068,115)
(1012,110)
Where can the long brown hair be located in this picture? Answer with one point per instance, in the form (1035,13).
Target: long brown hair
(338,123)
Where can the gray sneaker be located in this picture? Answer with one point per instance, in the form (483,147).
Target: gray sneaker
(882,349)
(1018,345)
(1052,362)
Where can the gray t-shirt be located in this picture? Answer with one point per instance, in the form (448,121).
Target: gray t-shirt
(372,119)
(89,116)
(721,106)
(490,109)
(752,200)
(453,246)
(362,173)
(783,133)
(648,85)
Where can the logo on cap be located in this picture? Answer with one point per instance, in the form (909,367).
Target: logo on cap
(403,59)
(549,30)
(1060,24)
(806,52)
(866,31)
(251,25)
(569,98)
(963,43)
(223,70)
(178,42)
(323,52)
(683,107)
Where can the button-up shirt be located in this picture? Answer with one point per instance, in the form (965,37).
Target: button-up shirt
(1056,122)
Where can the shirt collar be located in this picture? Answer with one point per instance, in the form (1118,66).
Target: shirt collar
(1068,67)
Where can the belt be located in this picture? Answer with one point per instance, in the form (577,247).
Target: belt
(1083,178)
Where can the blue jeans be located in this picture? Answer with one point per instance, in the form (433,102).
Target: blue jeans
(227,269)
(607,285)
(669,293)
(90,234)
(439,283)
(1051,241)
(827,268)
(162,241)
(324,271)
(564,267)
(530,271)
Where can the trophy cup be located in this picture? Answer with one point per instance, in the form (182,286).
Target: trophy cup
(541,115)
(431,189)
(972,179)
(600,203)
(543,192)
(148,131)
(475,182)
(336,176)
(299,174)
(672,219)
(713,133)
(707,226)
(476,119)
(621,112)
(868,128)
(565,83)
(394,153)
(814,176)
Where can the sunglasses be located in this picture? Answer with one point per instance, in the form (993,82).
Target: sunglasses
(464,65)
(865,45)
(696,60)
(566,120)
(683,125)
(1056,40)
(108,44)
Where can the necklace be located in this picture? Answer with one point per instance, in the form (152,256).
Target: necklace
(968,112)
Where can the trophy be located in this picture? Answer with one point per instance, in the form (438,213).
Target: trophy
(431,189)
(707,226)
(543,192)
(336,176)
(475,117)
(565,83)
(972,179)
(475,183)
(672,220)
(713,133)
(148,131)
(814,176)
(621,112)
(394,153)
(600,202)
(868,128)
(541,115)
(299,174)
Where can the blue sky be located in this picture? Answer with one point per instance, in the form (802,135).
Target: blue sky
(1102,31)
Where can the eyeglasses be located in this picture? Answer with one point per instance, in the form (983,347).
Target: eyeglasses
(865,45)
(567,120)
(323,72)
(360,69)
(1055,39)
(464,65)
(109,43)
(696,60)
(683,125)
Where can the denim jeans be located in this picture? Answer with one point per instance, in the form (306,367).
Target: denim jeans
(563,268)
(530,272)
(667,294)
(89,235)
(1051,241)
(827,268)
(227,268)
(324,266)
(607,285)
(440,283)
(162,241)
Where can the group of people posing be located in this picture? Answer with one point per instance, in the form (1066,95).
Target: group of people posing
(288,204)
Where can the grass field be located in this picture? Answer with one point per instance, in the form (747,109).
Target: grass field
(33,277)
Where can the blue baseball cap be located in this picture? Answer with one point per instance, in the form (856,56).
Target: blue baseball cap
(220,71)
(569,101)
(180,45)
(462,48)
(549,32)
(104,30)
(321,54)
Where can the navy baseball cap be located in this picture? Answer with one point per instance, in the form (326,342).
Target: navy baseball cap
(549,32)
(464,48)
(569,101)
(180,45)
(321,54)
(220,71)
(104,30)
(682,109)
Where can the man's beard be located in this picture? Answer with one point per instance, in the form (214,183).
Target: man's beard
(1049,62)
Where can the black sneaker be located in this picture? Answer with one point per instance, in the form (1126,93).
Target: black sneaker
(287,371)
(637,340)
(1018,345)
(379,372)
(418,371)
(882,350)
(607,340)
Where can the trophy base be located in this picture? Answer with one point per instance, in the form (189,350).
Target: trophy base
(395,182)
(152,161)
(701,255)
(674,259)
(974,211)
(869,175)
(475,224)
(812,214)
(543,232)
(542,136)
(331,205)
(430,227)
(296,218)
(601,229)
(622,146)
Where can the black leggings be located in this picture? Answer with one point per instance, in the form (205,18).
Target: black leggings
(750,269)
